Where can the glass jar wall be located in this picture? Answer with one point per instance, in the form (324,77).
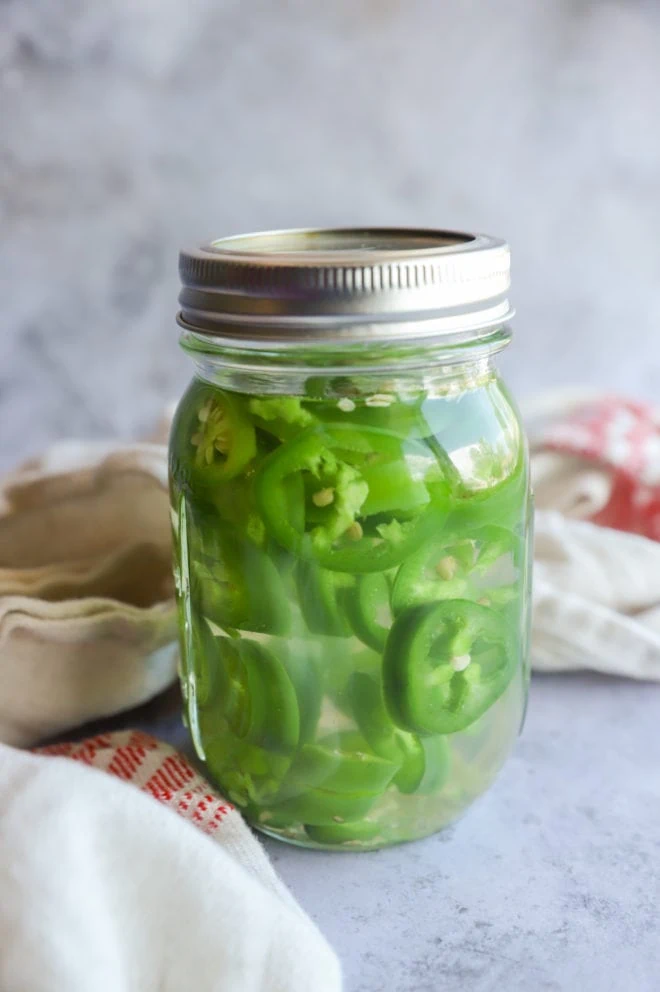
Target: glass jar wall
(351,563)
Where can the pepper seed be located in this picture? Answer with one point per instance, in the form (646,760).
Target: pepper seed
(355,531)
(446,567)
(324,497)
(379,399)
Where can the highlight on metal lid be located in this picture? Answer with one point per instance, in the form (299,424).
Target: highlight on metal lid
(347,285)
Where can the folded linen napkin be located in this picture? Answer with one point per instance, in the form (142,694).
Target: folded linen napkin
(87,616)
(102,887)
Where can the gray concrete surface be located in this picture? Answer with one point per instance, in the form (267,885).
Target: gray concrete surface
(129,127)
(551,883)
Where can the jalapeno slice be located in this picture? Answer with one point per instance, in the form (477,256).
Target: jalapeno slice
(339,459)
(273,704)
(450,567)
(335,780)
(306,676)
(424,763)
(323,808)
(220,437)
(320,597)
(367,608)
(445,663)
(354,832)
(253,724)
(228,580)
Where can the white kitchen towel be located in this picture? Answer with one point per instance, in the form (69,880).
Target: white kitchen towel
(596,475)
(105,889)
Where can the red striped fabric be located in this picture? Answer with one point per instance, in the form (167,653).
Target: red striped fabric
(623,436)
(154,767)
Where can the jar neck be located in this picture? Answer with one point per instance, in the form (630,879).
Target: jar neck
(441,369)
(347,357)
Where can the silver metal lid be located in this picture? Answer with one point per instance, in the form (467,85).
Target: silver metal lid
(347,285)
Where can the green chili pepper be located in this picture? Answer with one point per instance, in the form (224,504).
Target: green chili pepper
(221,437)
(436,571)
(339,668)
(248,774)
(498,504)
(254,727)
(322,808)
(424,764)
(445,663)
(339,542)
(354,832)
(392,488)
(274,716)
(307,680)
(281,416)
(319,592)
(367,608)
(228,580)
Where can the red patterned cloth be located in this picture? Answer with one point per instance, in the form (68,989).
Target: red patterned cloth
(155,768)
(624,437)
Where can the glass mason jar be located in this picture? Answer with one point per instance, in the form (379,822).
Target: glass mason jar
(351,519)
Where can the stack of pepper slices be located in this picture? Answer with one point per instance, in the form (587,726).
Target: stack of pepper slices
(348,596)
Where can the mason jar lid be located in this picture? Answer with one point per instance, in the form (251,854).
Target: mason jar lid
(344,285)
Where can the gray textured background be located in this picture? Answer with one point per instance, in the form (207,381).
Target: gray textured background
(129,127)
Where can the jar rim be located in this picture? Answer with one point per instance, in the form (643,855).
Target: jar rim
(344,286)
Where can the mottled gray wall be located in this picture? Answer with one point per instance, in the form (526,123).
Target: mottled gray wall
(131,126)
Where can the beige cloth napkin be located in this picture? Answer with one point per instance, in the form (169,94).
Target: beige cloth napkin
(87,617)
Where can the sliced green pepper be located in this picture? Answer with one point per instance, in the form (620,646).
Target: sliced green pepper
(338,764)
(497,505)
(229,581)
(428,772)
(253,728)
(353,832)
(424,764)
(436,571)
(307,680)
(282,416)
(222,684)
(367,607)
(319,593)
(454,568)
(316,518)
(444,665)
(322,808)
(220,436)
(392,488)
(339,542)
(492,544)
(247,774)
(339,668)
(274,716)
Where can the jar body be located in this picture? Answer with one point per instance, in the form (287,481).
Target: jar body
(352,572)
